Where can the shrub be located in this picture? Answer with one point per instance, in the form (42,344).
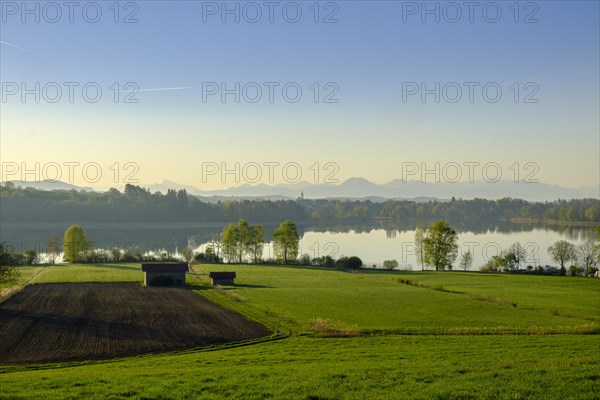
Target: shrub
(93,256)
(341,262)
(539,270)
(390,264)
(30,257)
(8,273)
(207,258)
(486,268)
(115,254)
(326,261)
(305,259)
(325,327)
(354,262)
(132,255)
(492,265)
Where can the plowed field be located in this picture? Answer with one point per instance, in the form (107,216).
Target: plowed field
(82,321)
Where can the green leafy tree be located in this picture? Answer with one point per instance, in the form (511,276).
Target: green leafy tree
(8,272)
(420,235)
(354,263)
(286,242)
(495,263)
(74,243)
(466,260)
(115,254)
(440,245)
(346,263)
(562,252)
(574,270)
(229,243)
(243,239)
(326,261)
(256,243)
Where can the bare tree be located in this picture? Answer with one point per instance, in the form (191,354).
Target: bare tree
(588,254)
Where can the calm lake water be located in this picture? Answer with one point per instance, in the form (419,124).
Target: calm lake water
(372,242)
(379,245)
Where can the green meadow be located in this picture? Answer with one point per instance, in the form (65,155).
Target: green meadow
(433,302)
(416,367)
(364,335)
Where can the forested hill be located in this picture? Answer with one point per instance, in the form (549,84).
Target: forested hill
(137,204)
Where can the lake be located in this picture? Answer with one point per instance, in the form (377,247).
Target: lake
(373,242)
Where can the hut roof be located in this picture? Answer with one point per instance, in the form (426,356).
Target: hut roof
(172,267)
(222,275)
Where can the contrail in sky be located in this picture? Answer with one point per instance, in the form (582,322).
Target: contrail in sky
(51,59)
(27,51)
(169,88)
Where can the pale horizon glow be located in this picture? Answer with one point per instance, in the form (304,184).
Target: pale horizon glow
(178,123)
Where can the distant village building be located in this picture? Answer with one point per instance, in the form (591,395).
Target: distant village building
(222,278)
(164,274)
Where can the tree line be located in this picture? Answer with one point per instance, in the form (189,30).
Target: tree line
(137,204)
(244,242)
(437,247)
(237,243)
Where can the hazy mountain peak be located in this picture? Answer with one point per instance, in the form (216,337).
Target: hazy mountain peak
(50,185)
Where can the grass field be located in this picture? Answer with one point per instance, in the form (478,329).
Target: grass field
(451,352)
(374,301)
(91,273)
(442,367)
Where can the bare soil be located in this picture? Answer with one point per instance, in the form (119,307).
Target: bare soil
(59,322)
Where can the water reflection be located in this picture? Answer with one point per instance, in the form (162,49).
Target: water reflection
(374,241)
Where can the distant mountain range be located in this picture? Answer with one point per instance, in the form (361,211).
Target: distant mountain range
(51,185)
(359,188)
(397,189)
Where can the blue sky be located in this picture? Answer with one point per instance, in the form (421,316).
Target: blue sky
(368,56)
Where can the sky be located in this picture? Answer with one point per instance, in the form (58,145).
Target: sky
(217,94)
